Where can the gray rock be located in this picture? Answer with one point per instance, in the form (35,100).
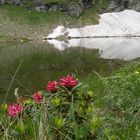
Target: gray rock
(41,8)
(119,5)
(12,2)
(54,8)
(75,9)
(2,1)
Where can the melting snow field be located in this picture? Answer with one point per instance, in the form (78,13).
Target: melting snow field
(116,26)
(125,23)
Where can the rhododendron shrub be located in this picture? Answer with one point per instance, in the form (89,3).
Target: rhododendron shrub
(57,112)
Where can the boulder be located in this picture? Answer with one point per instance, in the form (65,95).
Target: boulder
(2,2)
(40,9)
(119,5)
(75,9)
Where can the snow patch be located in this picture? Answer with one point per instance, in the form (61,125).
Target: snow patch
(125,23)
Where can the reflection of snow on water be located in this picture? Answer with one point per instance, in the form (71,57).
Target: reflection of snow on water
(109,48)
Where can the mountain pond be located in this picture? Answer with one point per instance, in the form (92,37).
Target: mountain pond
(35,63)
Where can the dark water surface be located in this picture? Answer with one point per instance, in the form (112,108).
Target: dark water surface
(42,62)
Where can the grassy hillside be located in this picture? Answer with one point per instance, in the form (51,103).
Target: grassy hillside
(17,20)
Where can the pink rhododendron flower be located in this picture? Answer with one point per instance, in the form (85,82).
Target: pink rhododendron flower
(14,110)
(68,81)
(52,87)
(38,97)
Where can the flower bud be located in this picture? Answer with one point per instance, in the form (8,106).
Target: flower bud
(56,101)
(90,93)
(89,109)
(82,103)
(4,106)
(29,102)
(59,122)
(21,127)
(136,72)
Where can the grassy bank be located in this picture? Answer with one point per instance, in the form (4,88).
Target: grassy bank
(118,97)
(21,22)
(6,40)
(101,108)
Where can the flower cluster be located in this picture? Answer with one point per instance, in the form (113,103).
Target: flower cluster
(67,81)
(63,104)
(52,87)
(38,97)
(14,110)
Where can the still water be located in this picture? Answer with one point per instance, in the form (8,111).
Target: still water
(42,61)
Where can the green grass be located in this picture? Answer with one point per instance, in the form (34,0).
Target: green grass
(119,97)
(22,15)
(91,15)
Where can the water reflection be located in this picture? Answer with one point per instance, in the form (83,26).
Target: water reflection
(109,48)
(43,62)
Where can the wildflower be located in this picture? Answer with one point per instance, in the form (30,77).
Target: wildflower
(14,110)
(21,127)
(52,86)
(38,97)
(68,82)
